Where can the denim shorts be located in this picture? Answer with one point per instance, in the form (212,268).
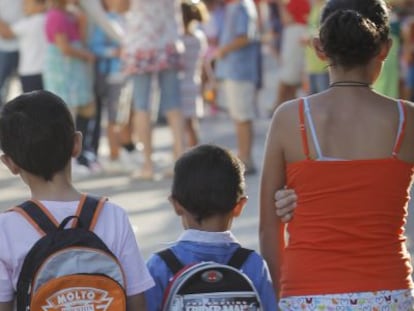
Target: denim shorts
(169,90)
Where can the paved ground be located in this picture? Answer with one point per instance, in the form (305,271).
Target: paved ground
(152,217)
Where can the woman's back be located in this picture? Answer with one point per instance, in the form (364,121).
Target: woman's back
(352,205)
(350,124)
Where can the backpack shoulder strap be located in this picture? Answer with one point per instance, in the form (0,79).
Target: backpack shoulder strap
(89,211)
(39,218)
(173,263)
(239,257)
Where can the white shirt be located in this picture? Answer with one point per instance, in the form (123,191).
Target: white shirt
(17,236)
(10,12)
(30,32)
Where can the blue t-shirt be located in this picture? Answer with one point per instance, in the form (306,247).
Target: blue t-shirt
(243,64)
(195,246)
(104,47)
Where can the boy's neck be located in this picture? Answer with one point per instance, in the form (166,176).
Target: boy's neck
(60,188)
(217,223)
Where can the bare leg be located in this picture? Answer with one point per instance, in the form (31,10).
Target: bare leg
(285,92)
(113,140)
(176,123)
(244,132)
(190,125)
(142,123)
(126,130)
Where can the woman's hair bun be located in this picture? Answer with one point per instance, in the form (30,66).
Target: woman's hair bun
(349,39)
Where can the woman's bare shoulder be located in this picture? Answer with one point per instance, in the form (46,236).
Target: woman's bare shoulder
(287,109)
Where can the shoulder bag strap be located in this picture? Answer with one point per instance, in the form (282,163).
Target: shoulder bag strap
(90,211)
(36,216)
(239,257)
(171,260)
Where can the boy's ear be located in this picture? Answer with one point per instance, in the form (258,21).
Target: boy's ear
(179,210)
(77,145)
(239,206)
(13,168)
(316,43)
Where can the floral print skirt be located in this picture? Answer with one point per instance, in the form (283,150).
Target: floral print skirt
(396,300)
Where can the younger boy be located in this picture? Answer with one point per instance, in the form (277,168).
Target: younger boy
(38,138)
(30,34)
(208,191)
(109,82)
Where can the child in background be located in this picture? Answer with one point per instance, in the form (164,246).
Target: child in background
(208,192)
(212,28)
(109,82)
(68,71)
(32,43)
(195,44)
(316,69)
(30,127)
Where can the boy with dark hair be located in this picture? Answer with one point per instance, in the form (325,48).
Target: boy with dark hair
(38,138)
(208,191)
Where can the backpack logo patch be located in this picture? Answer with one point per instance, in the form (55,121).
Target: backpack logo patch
(78,299)
(212,276)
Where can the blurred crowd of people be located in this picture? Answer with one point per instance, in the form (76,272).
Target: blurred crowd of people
(188,54)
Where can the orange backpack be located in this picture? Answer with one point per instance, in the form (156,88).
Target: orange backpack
(69,269)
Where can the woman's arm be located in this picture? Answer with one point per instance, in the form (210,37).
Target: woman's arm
(95,10)
(272,179)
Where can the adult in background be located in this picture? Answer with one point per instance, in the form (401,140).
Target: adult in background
(238,68)
(10,12)
(151,48)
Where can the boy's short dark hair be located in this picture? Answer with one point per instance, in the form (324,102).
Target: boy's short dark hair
(37,132)
(208,180)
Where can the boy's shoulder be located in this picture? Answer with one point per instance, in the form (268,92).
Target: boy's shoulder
(61,209)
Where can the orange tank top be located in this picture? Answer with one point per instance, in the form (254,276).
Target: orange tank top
(347,234)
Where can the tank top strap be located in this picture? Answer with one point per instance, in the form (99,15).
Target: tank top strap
(303,128)
(312,129)
(401,128)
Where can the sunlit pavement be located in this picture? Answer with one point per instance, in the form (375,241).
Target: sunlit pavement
(153,219)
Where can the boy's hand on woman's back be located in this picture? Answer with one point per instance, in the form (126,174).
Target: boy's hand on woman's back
(285,204)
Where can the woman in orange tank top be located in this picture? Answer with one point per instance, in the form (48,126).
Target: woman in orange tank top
(348,153)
